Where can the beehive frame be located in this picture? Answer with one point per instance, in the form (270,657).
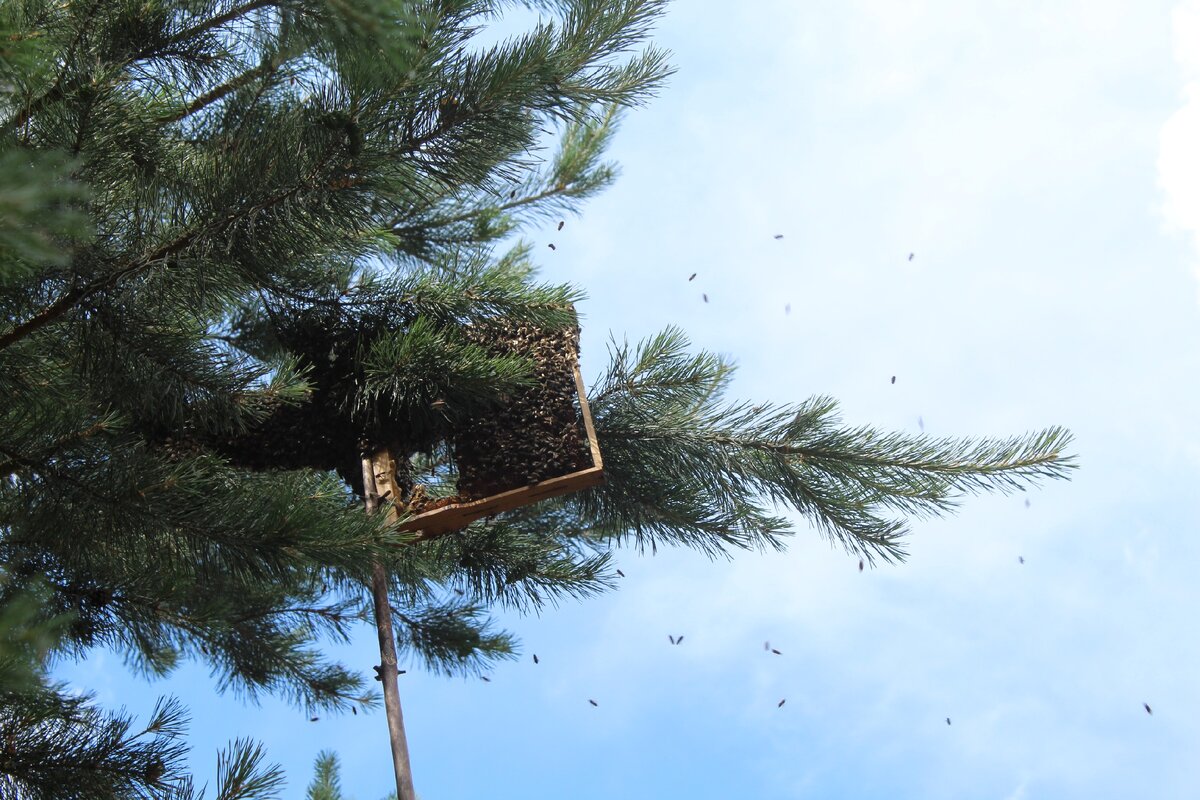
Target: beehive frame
(455,516)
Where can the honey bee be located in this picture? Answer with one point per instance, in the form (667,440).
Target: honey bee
(561,222)
(551,246)
(781,702)
(593,702)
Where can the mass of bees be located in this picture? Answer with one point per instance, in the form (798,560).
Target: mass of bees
(532,435)
(537,433)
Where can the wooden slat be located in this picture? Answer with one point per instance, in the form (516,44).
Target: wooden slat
(459,515)
(586,413)
(456,516)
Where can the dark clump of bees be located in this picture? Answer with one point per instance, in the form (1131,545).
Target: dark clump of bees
(537,433)
(532,435)
(319,433)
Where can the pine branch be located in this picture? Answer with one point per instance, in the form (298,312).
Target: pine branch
(667,434)
(220,92)
(200,28)
(56,91)
(326,783)
(54,746)
(242,775)
(517,560)
(27,635)
(33,461)
(79,293)
(451,638)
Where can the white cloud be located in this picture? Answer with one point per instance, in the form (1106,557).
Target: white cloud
(1179,143)
(1019,793)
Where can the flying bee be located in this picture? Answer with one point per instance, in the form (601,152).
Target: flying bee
(485,679)
(947,720)
(622,574)
(593,702)
(561,222)
(705,297)
(776,652)
(860,565)
(781,702)
(1147,707)
(910,256)
(313,719)
(693,276)
(551,246)
(778,236)
(535,658)
(893,380)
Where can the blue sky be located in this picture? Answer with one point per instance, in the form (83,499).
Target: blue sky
(1041,160)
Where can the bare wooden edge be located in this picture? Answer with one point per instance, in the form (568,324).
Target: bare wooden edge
(458,515)
(585,411)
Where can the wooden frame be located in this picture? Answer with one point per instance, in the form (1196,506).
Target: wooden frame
(458,515)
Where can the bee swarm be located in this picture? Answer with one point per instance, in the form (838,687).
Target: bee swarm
(538,433)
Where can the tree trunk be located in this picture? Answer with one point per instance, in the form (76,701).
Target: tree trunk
(387,655)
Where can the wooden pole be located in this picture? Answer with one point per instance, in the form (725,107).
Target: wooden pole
(387,654)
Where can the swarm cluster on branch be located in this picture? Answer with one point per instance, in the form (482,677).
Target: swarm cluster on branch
(241,242)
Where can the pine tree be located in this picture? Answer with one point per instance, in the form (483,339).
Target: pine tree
(327,779)
(245,244)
